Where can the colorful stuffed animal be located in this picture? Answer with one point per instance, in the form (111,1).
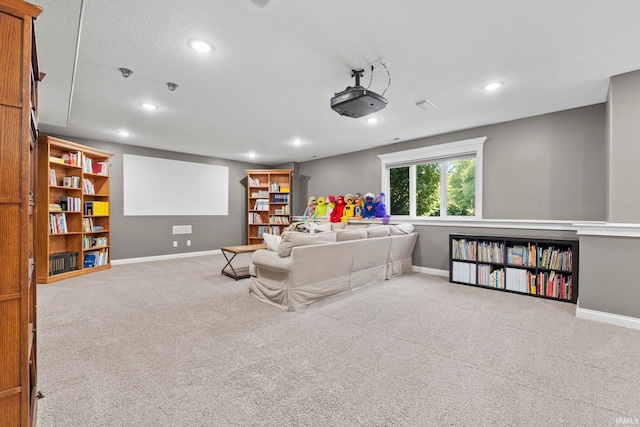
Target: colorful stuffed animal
(358,210)
(380,209)
(331,204)
(338,211)
(349,207)
(310,211)
(368,207)
(321,207)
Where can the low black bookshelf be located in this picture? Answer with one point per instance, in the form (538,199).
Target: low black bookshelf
(544,268)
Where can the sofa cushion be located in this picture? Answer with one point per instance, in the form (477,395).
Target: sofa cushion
(357,226)
(378,231)
(320,228)
(292,239)
(338,225)
(399,229)
(346,234)
(272,241)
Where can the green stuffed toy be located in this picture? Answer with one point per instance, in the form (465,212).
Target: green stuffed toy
(321,207)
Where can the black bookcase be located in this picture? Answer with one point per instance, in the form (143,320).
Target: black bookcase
(544,268)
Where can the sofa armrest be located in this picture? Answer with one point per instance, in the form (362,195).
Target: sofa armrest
(263,258)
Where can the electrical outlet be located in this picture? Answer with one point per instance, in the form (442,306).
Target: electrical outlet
(188,242)
(175,243)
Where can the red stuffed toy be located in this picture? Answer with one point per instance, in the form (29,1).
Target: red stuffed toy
(337,212)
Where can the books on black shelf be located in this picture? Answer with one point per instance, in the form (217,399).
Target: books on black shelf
(464,272)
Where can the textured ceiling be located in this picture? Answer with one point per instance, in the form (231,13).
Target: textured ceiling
(275,69)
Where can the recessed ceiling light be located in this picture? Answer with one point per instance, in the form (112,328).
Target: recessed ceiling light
(492,86)
(148,106)
(372,120)
(123,133)
(297,142)
(200,46)
(252,154)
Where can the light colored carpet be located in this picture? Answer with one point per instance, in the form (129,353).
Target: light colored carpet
(174,343)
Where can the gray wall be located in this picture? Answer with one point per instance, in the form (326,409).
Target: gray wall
(141,236)
(548,167)
(608,275)
(624,147)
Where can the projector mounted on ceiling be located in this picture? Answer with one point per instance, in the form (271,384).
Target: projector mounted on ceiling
(357,101)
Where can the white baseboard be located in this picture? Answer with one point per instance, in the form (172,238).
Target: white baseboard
(164,257)
(427,270)
(613,319)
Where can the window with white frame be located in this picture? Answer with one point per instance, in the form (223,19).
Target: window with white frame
(441,181)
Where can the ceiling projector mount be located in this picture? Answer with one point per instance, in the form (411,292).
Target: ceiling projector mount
(357,101)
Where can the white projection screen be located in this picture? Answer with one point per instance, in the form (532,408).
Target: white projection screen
(154,187)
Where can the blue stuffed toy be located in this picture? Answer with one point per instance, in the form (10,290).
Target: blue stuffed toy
(368,207)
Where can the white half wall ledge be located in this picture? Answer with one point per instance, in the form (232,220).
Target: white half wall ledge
(607,229)
(610,318)
(164,257)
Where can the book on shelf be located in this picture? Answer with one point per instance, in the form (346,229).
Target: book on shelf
(55,207)
(275,230)
(254,182)
(87,165)
(58,223)
(72,204)
(275,219)
(262,229)
(89,242)
(71,181)
(63,262)
(260,193)
(491,252)
(72,158)
(96,208)
(261,205)
(464,272)
(54,159)
(52,177)
(87,186)
(274,187)
(463,249)
(96,258)
(87,225)
(255,218)
(100,168)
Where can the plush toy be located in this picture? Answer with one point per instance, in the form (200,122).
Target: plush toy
(368,207)
(338,211)
(321,207)
(331,204)
(380,209)
(310,211)
(349,207)
(358,209)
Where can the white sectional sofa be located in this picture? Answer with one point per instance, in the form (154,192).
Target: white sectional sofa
(306,268)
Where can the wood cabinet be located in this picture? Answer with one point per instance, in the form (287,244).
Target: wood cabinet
(19,77)
(546,268)
(73,209)
(268,202)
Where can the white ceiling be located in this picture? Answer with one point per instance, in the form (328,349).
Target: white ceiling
(275,69)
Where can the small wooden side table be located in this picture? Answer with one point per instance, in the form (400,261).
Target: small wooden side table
(238,272)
